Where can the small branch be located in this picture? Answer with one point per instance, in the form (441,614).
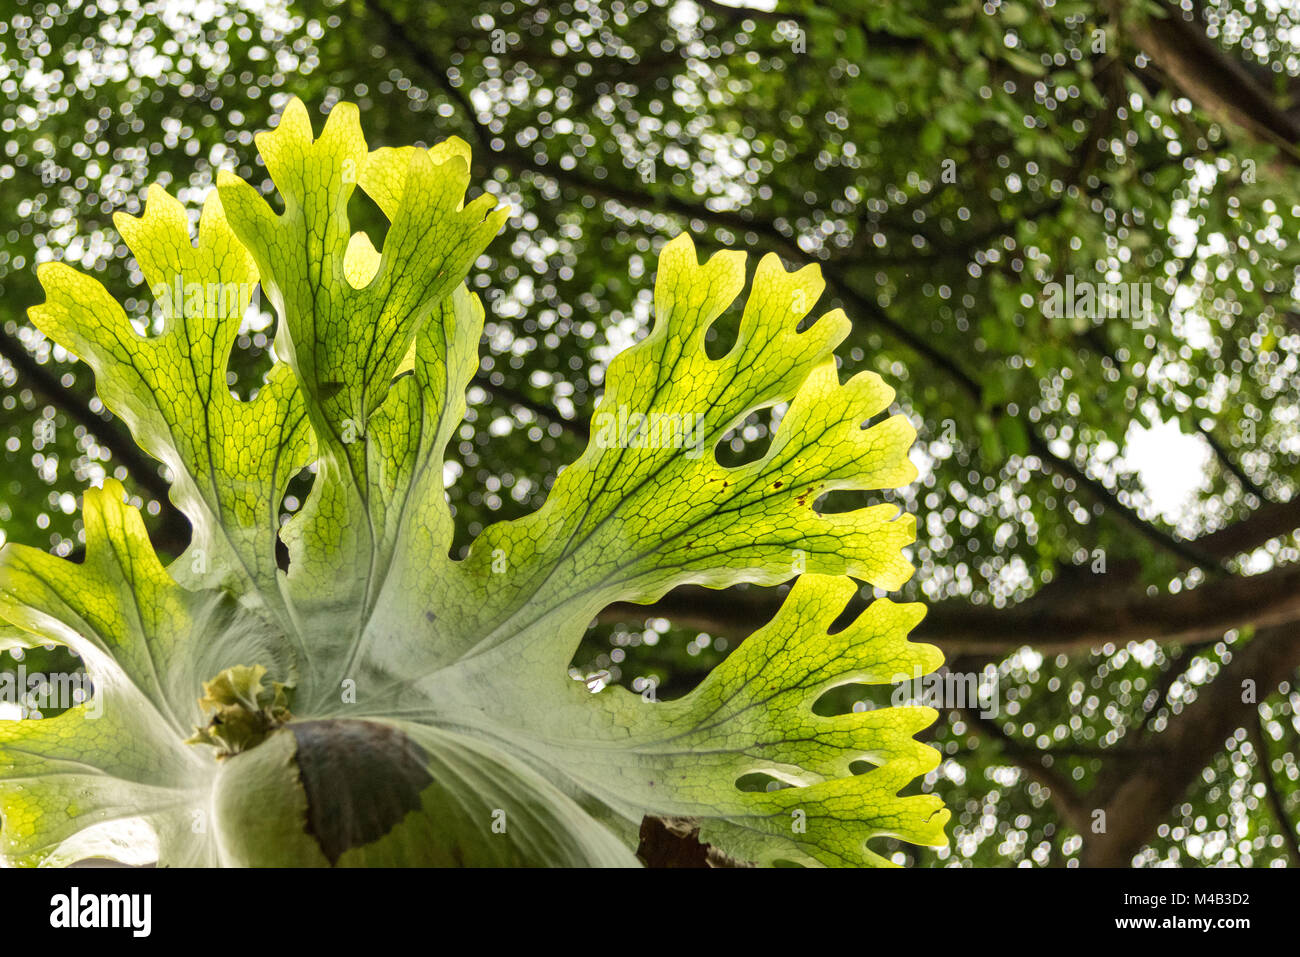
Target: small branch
(142,468)
(1177,668)
(1262,525)
(1185,550)
(1288,829)
(1227,461)
(1063,794)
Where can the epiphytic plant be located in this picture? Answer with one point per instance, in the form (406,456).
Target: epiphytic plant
(380,702)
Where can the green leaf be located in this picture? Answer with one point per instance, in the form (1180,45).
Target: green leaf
(119,758)
(349,316)
(230,460)
(754,715)
(382,703)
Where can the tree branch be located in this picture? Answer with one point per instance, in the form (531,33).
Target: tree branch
(1278,806)
(1143,799)
(142,468)
(1210,77)
(1065,617)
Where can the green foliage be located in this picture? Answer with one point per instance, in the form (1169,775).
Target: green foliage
(941,161)
(419,709)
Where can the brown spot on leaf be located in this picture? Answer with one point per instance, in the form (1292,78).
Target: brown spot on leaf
(361,778)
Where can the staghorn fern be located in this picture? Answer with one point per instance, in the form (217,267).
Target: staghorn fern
(380,702)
